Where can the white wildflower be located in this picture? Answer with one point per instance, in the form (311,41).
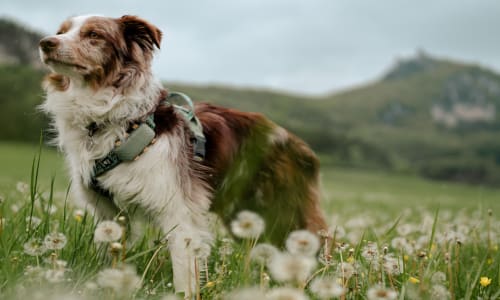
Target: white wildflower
(14,208)
(286,293)
(34,247)
(33,221)
(22,187)
(123,281)
(405,229)
(302,242)
(392,265)
(33,272)
(370,252)
(263,253)
(402,244)
(439,292)
(247,225)
(438,277)
(55,241)
(251,293)
(345,270)
(78,214)
(55,275)
(91,286)
(287,267)
(381,293)
(327,288)
(107,231)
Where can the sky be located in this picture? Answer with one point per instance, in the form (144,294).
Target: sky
(301,46)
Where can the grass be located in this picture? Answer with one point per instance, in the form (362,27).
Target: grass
(394,233)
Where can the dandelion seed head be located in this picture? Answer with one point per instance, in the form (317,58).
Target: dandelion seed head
(287,267)
(439,291)
(370,252)
(249,293)
(345,270)
(392,265)
(122,281)
(107,231)
(327,288)
(247,225)
(55,241)
(438,277)
(55,275)
(22,187)
(286,293)
(34,247)
(34,221)
(263,253)
(381,293)
(302,242)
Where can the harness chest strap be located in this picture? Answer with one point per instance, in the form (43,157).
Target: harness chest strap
(142,135)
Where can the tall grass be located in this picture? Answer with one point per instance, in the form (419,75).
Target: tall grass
(406,253)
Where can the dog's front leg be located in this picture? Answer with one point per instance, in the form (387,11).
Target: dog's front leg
(189,246)
(183,263)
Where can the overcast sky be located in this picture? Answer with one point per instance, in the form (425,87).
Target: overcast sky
(307,46)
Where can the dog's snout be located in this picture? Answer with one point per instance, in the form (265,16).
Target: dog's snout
(48,44)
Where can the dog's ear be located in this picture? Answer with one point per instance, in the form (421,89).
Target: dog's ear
(140,31)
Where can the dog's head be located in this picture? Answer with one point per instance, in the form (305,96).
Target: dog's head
(101,51)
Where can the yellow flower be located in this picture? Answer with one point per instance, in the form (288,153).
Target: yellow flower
(350,259)
(406,258)
(413,280)
(210,284)
(485,281)
(489,261)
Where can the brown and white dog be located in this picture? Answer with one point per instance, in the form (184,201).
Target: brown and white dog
(101,75)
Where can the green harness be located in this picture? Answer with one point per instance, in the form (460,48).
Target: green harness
(142,135)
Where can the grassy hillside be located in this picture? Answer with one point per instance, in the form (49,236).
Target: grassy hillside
(428,116)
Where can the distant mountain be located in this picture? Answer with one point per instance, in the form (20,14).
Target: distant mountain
(18,44)
(425,115)
(435,116)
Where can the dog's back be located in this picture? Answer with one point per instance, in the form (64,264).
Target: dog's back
(258,166)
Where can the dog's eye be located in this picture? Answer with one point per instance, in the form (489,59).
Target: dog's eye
(60,32)
(93,35)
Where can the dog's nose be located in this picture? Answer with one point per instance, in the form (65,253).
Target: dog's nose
(48,44)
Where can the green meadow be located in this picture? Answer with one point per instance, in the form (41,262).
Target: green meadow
(395,236)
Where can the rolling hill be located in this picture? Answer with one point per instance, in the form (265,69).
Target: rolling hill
(425,115)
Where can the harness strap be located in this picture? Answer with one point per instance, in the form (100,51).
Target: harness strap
(141,135)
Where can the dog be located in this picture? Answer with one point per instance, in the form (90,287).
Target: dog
(101,82)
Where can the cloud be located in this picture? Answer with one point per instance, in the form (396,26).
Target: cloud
(307,46)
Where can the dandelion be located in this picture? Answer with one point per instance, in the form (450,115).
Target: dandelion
(55,241)
(54,275)
(393,265)
(250,293)
(78,215)
(381,293)
(438,277)
(34,247)
(247,225)
(401,243)
(170,297)
(286,293)
(107,231)
(287,267)
(439,292)
(263,253)
(370,252)
(33,222)
(123,281)
(413,280)
(33,272)
(327,288)
(302,242)
(345,270)
(22,187)
(226,248)
(485,281)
